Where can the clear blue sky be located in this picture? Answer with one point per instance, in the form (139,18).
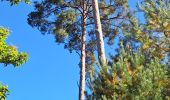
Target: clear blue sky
(51,72)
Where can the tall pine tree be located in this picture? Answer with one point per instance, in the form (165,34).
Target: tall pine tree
(69,27)
(69,21)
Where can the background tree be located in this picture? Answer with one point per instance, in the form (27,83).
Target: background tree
(147,43)
(152,34)
(131,77)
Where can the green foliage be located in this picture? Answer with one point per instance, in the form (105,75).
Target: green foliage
(63,19)
(64,25)
(9,54)
(60,18)
(15,2)
(157,26)
(153,33)
(140,70)
(156,14)
(3,92)
(131,77)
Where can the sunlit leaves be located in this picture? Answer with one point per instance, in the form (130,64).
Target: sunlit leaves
(16,2)
(10,54)
(3,92)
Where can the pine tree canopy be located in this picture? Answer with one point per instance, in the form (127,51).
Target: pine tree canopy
(140,70)
(63,19)
(130,77)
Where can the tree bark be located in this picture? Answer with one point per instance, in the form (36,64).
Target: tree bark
(99,34)
(83,57)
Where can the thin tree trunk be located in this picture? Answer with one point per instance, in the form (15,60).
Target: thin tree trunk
(99,34)
(83,57)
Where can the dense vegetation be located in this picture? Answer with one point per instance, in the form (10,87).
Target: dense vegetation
(140,70)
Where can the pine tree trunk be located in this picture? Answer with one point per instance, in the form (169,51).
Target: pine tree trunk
(99,34)
(83,57)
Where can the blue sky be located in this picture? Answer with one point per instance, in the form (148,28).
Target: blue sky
(51,73)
